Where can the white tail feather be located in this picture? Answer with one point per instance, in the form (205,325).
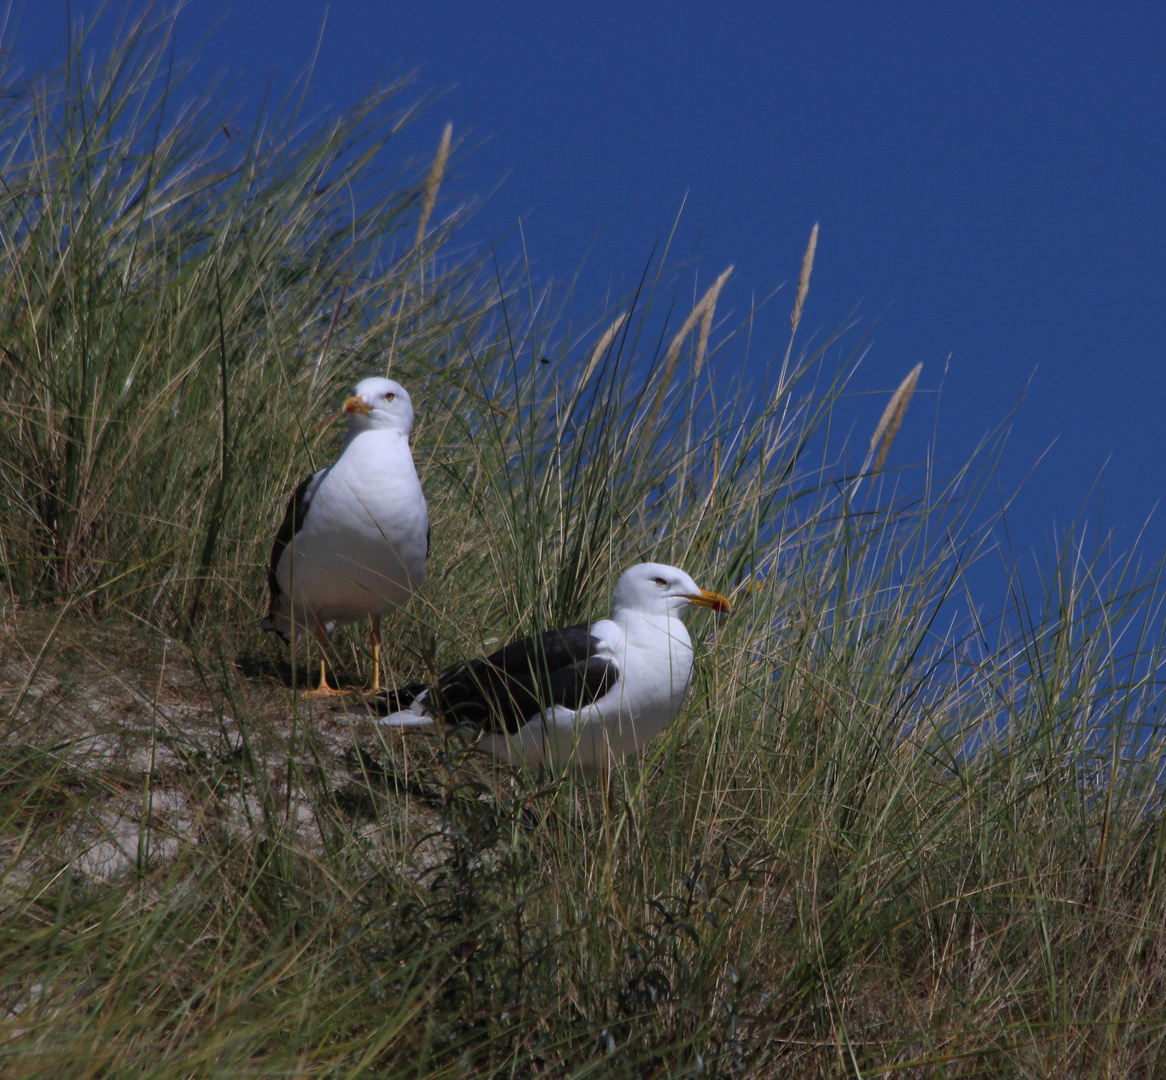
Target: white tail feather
(412,717)
(407,719)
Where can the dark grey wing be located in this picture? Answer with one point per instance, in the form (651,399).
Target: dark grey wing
(580,684)
(293,518)
(508,687)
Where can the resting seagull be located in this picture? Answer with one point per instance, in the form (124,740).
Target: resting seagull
(585,695)
(355,537)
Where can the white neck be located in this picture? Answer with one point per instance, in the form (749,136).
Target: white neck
(354,433)
(637,624)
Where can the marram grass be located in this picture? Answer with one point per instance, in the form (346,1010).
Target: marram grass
(883,837)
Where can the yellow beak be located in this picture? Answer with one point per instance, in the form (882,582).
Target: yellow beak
(712,600)
(357,405)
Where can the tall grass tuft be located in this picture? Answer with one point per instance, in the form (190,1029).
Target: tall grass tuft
(171,287)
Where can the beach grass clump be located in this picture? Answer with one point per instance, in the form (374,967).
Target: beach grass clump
(892,832)
(183,301)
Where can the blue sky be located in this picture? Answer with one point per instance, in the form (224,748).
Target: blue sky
(990,182)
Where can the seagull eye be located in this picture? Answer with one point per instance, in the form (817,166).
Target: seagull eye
(662,582)
(390,396)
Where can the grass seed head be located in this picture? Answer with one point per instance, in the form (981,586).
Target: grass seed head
(709,303)
(601,347)
(804,279)
(892,418)
(703,309)
(433,182)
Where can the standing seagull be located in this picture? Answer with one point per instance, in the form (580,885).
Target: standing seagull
(588,694)
(356,535)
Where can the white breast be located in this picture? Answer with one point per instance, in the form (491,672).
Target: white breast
(657,669)
(361,548)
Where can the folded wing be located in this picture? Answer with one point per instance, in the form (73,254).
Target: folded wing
(504,690)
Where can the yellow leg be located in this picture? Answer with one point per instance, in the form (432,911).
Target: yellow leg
(376,654)
(323,690)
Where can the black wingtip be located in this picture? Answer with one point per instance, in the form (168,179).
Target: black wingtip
(398,698)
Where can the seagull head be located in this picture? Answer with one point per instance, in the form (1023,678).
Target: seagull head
(379,403)
(656,589)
